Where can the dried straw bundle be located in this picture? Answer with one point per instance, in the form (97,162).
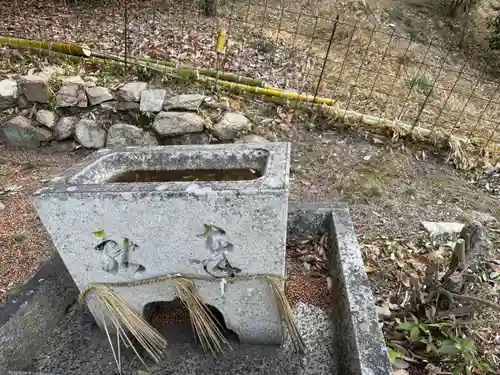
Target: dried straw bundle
(287,315)
(125,319)
(205,325)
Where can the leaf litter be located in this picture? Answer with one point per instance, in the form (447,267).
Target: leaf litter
(24,242)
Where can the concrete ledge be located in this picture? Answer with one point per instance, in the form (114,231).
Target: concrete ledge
(358,346)
(33,311)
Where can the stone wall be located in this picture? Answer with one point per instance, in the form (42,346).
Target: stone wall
(45,108)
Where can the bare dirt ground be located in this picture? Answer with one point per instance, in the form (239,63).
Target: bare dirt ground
(24,244)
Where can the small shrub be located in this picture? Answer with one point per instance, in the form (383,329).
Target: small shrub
(494,36)
(421,83)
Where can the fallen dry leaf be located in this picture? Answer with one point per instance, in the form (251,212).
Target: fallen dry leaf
(401,263)
(495,267)
(233,104)
(400,364)
(419,262)
(403,279)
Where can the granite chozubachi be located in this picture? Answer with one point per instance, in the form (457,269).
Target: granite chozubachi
(217,211)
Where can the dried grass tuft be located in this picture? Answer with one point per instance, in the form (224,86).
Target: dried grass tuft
(205,325)
(287,315)
(124,320)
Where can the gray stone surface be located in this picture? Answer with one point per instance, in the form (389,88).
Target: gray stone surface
(169,124)
(20,131)
(46,118)
(252,138)
(152,100)
(28,373)
(119,106)
(90,134)
(35,87)
(22,102)
(189,139)
(316,328)
(126,135)
(361,346)
(131,91)
(8,93)
(29,317)
(150,139)
(187,102)
(89,84)
(72,93)
(251,212)
(65,127)
(67,350)
(98,94)
(230,126)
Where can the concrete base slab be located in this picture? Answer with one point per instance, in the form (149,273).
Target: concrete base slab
(346,340)
(76,348)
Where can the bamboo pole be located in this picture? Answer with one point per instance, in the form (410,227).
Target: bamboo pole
(76,59)
(67,48)
(231,77)
(77,50)
(274,92)
(270,91)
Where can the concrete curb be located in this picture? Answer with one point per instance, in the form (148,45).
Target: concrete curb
(361,348)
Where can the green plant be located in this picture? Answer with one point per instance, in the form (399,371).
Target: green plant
(19,236)
(396,357)
(411,190)
(444,340)
(187,76)
(55,83)
(494,36)
(421,83)
(374,191)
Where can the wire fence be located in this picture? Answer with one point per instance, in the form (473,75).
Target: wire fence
(306,47)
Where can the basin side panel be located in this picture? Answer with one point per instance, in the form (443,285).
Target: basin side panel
(164,231)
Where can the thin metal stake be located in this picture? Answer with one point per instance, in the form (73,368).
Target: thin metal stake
(125,30)
(325,60)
